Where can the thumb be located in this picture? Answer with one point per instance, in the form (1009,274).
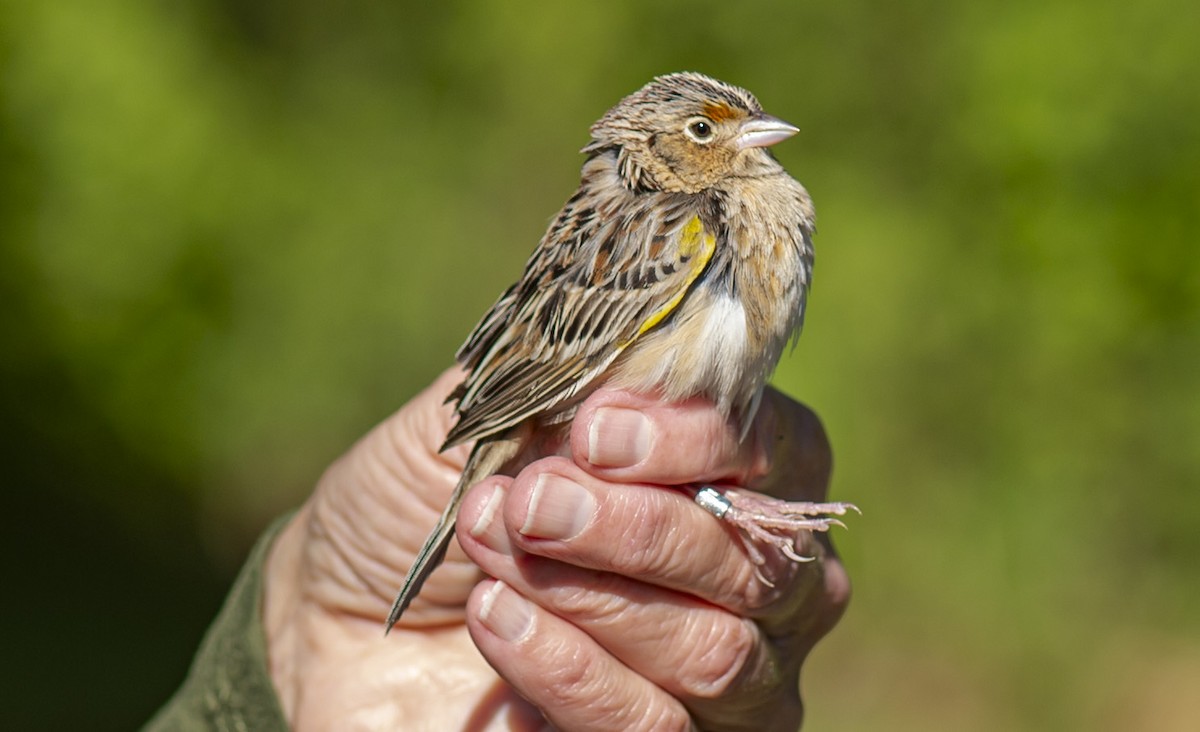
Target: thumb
(374,506)
(399,461)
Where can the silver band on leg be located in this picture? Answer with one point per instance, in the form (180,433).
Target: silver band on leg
(711,500)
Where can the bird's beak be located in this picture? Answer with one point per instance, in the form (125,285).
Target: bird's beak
(763,130)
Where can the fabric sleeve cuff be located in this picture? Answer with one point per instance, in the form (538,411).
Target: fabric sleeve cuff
(229,684)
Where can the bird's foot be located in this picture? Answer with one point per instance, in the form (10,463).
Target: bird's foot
(763,520)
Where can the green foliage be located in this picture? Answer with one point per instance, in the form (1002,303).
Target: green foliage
(233,235)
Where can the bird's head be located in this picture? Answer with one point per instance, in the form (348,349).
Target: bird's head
(686,132)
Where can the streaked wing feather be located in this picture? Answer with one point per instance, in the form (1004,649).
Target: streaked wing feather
(594,284)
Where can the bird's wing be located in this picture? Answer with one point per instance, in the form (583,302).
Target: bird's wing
(598,281)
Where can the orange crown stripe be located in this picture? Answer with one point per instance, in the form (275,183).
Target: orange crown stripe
(719,112)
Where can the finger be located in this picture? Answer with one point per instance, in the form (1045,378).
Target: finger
(625,436)
(622,436)
(655,535)
(717,664)
(563,671)
(831,604)
(801,459)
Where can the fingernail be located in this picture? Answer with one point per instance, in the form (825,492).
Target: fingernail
(618,438)
(559,508)
(488,529)
(506,613)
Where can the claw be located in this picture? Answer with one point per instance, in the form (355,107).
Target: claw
(790,552)
(762,520)
(762,577)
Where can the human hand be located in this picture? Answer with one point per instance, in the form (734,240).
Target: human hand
(649,615)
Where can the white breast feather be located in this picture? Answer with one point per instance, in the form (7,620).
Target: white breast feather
(723,345)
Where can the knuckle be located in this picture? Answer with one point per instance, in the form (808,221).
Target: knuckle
(718,659)
(599,602)
(651,541)
(655,718)
(574,690)
(568,685)
(668,719)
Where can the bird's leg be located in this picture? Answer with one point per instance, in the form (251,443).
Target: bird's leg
(763,520)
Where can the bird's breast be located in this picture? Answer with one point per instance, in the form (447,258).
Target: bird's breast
(706,349)
(727,334)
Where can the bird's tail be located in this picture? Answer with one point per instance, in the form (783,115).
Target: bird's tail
(487,458)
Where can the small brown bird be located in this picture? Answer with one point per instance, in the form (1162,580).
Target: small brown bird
(679,267)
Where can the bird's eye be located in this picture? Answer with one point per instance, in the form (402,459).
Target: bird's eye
(699,130)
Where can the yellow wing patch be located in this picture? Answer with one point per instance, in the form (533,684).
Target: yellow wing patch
(696,247)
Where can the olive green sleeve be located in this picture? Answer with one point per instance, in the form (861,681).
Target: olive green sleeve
(229,686)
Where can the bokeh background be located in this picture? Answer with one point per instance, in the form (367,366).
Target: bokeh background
(234,234)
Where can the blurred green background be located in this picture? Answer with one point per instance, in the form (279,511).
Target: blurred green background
(235,234)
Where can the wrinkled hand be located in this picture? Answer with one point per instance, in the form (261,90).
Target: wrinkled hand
(613,602)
